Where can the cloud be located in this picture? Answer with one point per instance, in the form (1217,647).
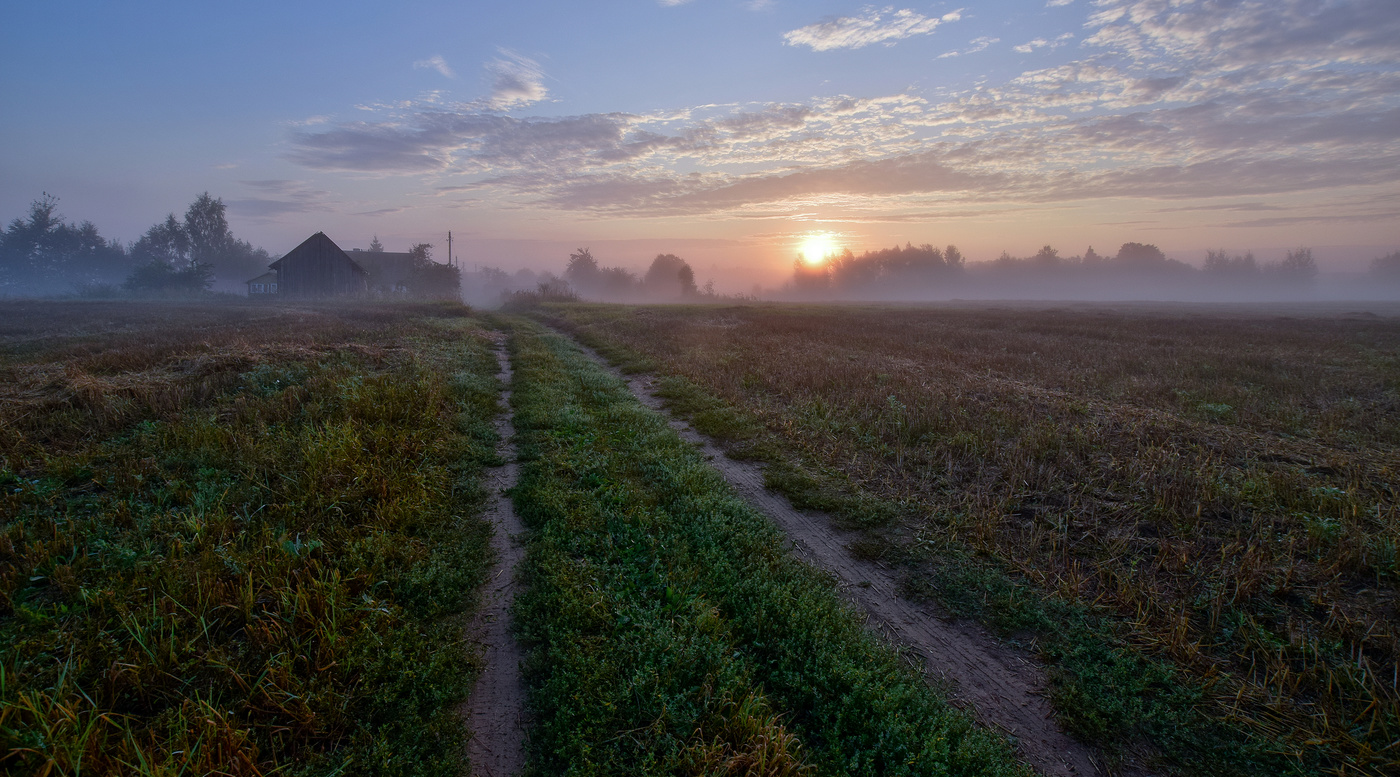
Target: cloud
(273,198)
(471,140)
(873,26)
(1155,108)
(515,81)
(1057,3)
(975,45)
(1215,207)
(1336,218)
(435,62)
(1249,32)
(1042,43)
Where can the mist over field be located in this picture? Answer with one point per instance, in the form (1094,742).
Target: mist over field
(46,255)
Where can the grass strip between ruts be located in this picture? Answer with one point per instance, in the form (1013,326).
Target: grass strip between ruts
(668,629)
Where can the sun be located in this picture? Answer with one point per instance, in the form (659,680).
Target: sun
(816,247)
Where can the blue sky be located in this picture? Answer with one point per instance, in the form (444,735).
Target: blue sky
(723,130)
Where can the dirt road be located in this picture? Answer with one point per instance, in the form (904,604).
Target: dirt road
(1000,686)
(495,713)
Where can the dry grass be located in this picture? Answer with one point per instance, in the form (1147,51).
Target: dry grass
(1223,481)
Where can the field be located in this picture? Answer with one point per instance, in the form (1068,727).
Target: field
(249,539)
(239,540)
(1189,514)
(670,633)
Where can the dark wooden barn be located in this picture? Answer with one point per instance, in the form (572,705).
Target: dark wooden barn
(318,268)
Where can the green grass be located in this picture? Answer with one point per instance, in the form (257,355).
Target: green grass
(1112,681)
(268,576)
(669,631)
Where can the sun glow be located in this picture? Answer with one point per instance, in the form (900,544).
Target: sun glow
(816,247)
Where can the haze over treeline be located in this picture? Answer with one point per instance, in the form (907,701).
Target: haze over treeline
(909,273)
(46,254)
(1133,271)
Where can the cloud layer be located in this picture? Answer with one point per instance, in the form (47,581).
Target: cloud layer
(1169,99)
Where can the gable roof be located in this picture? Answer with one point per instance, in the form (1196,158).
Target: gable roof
(318,246)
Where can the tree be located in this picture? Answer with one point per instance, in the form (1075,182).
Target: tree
(1142,254)
(46,254)
(422,254)
(166,242)
(669,277)
(1386,268)
(31,247)
(159,278)
(1298,266)
(809,280)
(1221,265)
(206,228)
(202,243)
(582,270)
(687,279)
(427,278)
(376,247)
(616,283)
(953,258)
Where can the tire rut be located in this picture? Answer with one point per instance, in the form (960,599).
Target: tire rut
(996,684)
(495,712)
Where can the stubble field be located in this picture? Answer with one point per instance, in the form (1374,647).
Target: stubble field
(1189,514)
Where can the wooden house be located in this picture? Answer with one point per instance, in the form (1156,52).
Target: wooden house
(318,268)
(263,285)
(389,272)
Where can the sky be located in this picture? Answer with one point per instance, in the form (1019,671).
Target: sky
(726,131)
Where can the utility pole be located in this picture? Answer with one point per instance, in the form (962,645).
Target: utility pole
(449,248)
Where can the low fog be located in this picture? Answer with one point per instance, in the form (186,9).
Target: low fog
(43,254)
(1135,271)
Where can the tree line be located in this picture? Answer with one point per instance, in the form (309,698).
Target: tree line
(911,271)
(668,278)
(45,253)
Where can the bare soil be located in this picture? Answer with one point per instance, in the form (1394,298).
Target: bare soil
(1000,686)
(495,713)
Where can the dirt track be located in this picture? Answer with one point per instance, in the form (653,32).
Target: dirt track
(495,713)
(998,685)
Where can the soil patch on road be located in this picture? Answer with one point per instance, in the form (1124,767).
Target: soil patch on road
(495,713)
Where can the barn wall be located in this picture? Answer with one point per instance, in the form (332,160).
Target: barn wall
(318,268)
